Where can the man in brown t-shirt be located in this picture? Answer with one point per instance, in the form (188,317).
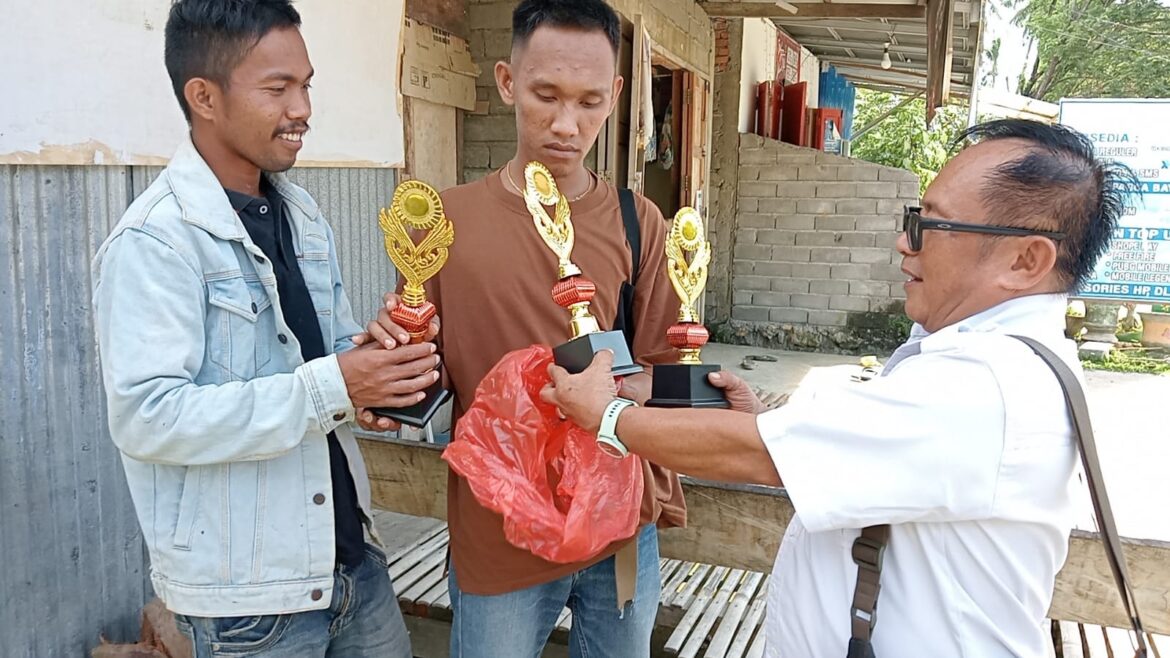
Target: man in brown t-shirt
(494,296)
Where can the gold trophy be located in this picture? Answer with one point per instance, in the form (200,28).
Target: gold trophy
(572,291)
(416,206)
(685,384)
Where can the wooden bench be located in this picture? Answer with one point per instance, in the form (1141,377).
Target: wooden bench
(704,610)
(741,526)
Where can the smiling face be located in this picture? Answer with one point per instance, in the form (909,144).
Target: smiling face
(563,84)
(957,275)
(257,120)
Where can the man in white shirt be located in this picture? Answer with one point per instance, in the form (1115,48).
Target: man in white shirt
(964,445)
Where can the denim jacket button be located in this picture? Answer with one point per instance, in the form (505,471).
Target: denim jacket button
(319,499)
(282,338)
(316,595)
(339,417)
(259,259)
(255,308)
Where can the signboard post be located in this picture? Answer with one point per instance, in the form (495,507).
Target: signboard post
(1135,133)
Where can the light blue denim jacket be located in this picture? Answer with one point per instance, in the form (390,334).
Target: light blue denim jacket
(221,424)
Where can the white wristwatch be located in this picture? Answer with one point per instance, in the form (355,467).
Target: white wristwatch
(607,438)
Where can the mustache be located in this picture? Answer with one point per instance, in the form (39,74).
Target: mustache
(302,127)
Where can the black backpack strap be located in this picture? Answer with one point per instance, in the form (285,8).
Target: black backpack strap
(869,552)
(625,313)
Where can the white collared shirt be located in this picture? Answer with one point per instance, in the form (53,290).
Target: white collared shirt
(964,445)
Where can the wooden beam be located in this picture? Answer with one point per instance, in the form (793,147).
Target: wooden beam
(940,18)
(740,526)
(842,64)
(813,10)
(917,52)
(913,28)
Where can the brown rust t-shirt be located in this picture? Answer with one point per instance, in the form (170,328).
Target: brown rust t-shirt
(494,296)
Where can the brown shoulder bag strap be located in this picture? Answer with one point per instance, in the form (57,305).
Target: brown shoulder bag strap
(869,548)
(1079,407)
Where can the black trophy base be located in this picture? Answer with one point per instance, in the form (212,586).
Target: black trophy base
(417,415)
(685,385)
(576,355)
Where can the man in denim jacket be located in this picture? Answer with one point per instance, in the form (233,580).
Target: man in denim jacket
(232,363)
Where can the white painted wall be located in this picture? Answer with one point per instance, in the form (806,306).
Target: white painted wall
(84,83)
(810,72)
(759,64)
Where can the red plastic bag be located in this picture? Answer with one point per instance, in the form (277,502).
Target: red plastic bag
(562,499)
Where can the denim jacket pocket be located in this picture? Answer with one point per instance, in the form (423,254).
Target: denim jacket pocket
(188,506)
(234,323)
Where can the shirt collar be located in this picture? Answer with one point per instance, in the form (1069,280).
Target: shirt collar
(1029,314)
(201,199)
(1037,316)
(241,200)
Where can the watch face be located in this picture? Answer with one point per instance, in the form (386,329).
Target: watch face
(610,449)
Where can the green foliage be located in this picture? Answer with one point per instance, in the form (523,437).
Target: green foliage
(902,139)
(1121,361)
(1160,308)
(1096,48)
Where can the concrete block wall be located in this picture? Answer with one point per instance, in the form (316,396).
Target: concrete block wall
(814,241)
(489,135)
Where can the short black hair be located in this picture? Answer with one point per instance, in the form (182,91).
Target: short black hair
(585,15)
(1061,181)
(209,38)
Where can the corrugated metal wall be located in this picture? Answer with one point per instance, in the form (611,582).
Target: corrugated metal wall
(74,565)
(350,199)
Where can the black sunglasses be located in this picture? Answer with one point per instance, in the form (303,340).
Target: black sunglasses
(913,224)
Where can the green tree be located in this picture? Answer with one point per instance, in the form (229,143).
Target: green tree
(1096,49)
(903,139)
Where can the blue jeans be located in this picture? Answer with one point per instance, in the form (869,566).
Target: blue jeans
(363,622)
(518,624)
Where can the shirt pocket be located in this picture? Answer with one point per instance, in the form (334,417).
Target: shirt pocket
(317,272)
(234,341)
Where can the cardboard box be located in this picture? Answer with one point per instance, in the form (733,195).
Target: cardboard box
(437,66)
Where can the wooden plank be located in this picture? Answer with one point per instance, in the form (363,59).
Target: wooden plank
(429,581)
(695,609)
(757,650)
(668,568)
(813,10)
(405,476)
(940,20)
(676,582)
(1070,640)
(712,614)
(433,547)
(401,553)
(1095,644)
(697,584)
(736,607)
(1121,642)
(433,561)
(431,596)
(1157,643)
(741,526)
(751,622)
(1050,647)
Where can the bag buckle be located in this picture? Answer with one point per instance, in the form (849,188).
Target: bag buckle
(868,554)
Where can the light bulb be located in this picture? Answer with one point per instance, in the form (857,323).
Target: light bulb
(886,63)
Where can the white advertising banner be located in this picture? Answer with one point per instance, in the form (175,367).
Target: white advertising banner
(1136,133)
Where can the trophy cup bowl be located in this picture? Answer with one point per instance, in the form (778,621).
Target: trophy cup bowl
(685,384)
(416,206)
(572,291)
